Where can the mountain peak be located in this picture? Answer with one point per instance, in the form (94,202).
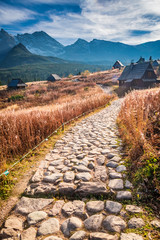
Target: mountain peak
(80,40)
(20,49)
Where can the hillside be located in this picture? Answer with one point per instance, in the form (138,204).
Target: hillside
(6,43)
(19,55)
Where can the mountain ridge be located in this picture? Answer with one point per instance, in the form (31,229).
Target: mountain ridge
(81,50)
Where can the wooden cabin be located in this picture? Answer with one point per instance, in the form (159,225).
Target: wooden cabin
(156,63)
(53,78)
(16,84)
(118,64)
(138,75)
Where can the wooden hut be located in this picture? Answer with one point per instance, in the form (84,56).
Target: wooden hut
(138,75)
(156,63)
(16,83)
(53,78)
(118,64)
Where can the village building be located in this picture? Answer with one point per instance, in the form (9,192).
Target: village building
(138,75)
(141,60)
(53,78)
(156,63)
(118,64)
(16,84)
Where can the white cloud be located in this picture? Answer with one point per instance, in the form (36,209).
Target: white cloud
(10,15)
(106,19)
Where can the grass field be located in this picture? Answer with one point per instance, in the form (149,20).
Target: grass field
(32,114)
(139,125)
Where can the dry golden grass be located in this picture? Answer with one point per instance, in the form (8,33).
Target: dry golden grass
(23,128)
(41,93)
(139,124)
(108,77)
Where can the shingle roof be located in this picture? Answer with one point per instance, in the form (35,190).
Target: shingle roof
(54,77)
(156,62)
(119,63)
(135,71)
(16,82)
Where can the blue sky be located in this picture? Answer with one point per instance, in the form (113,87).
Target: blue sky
(128,21)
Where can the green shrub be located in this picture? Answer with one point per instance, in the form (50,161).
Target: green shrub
(16,98)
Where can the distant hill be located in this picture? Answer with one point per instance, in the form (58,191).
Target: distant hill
(19,55)
(20,63)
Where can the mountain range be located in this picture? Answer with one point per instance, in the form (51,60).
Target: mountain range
(93,52)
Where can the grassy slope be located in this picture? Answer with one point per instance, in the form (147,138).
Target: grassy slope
(139,125)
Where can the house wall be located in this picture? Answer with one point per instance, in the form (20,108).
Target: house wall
(150,74)
(139,84)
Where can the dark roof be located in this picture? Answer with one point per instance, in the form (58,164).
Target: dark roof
(53,77)
(16,82)
(135,71)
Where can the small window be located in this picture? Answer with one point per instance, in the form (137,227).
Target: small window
(149,74)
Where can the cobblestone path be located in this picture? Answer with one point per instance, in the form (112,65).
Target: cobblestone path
(84,168)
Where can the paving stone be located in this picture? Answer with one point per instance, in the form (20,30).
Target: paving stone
(128,184)
(36,216)
(49,226)
(38,176)
(69,225)
(100,173)
(116,184)
(114,224)
(114,175)
(102,236)
(53,177)
(51,169)
(8,232)
(45,188)
(100,160)
(69,176)
(29,234)
(56,163)
(121,168)
(155,223)
(76,207)
(95,206)
(113,207)
(14,222)
(86,188)
(110,155)
(124,195)
(112,164)
(53,238)
(91,165)
(134,209)
(94,222)
(130,236)
(81,168)
(84,176)
(79,235)
(136,223)
(116,159)
(80,156)
(105,151)
(56,210)
(66,188)
(28,205)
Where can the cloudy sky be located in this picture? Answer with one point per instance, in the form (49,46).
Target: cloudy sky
(127,21)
